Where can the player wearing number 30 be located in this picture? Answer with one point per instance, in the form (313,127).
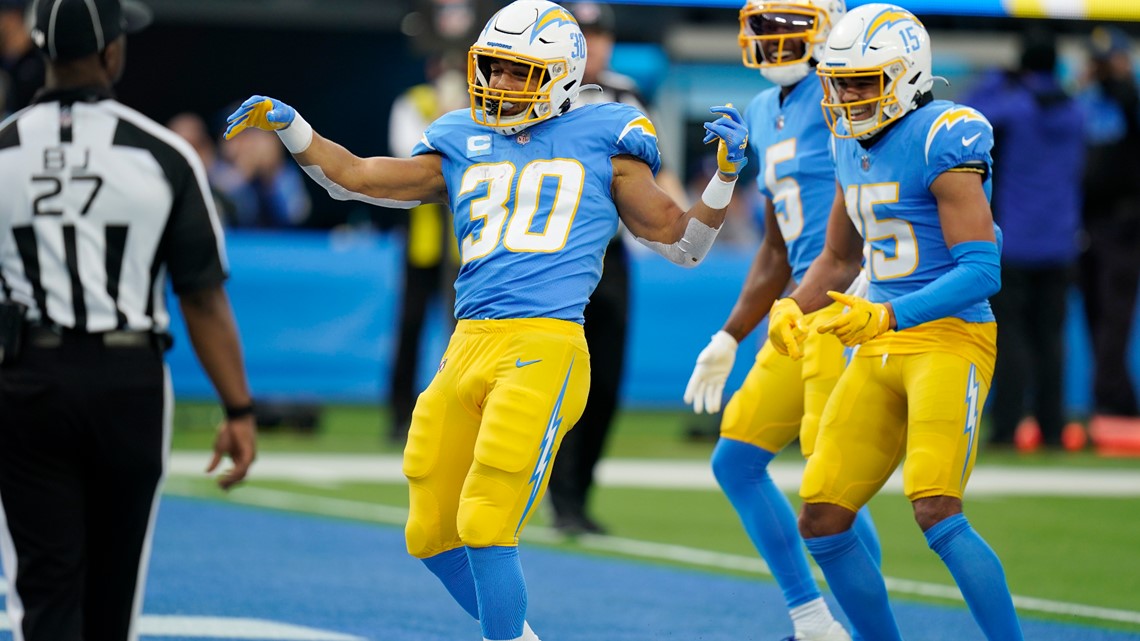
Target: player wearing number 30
(913,181)
(782,398)
(537,190)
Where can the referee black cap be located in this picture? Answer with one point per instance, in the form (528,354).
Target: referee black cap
(594,17)
(70,29)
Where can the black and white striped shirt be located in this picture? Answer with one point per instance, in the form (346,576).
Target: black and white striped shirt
(97,204)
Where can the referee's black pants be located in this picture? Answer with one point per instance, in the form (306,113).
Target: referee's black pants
(83,439)
(421,286)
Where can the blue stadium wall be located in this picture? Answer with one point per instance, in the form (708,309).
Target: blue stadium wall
(318,315)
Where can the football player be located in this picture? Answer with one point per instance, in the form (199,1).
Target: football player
(914,182)
(781,399)
(537,190)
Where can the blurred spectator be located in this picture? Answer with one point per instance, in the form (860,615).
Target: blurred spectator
(266,191)
(20,64)
(430,258)
(1110,265)
(193,129)
(1038,160)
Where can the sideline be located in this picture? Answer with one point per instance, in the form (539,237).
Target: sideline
(203,627)
(679,474)
(389,515)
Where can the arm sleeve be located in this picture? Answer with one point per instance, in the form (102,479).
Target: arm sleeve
(976,276)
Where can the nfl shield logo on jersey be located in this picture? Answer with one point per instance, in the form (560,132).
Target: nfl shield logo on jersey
(523,138)
(866,163)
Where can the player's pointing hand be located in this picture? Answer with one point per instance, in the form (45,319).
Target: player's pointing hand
(860,322)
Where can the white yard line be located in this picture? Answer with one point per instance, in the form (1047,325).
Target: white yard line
(643,549)
(683,474)
(204,627)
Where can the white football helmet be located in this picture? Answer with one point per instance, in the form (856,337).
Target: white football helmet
(545,40)
(883,43)
(780,37)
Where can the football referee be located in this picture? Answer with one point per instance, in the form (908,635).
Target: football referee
(100,205)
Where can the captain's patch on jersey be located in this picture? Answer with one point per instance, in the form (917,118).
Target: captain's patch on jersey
(478,146)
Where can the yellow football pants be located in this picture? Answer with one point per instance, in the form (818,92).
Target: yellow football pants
(782,398)
(485,432)
(925,407)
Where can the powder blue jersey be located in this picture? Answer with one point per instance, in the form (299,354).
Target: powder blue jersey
(887,190)
(796,170)
(533,211)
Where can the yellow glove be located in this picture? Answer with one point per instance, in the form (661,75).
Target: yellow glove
(860,322)
(260,112)
(787,328)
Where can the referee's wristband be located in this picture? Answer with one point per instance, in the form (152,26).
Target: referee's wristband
(234,412)
(297,136)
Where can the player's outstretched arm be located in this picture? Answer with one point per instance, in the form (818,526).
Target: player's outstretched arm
(390,182)
(684,237)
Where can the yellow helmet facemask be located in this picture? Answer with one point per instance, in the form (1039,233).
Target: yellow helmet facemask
(884,105)
(488,104)
(782,23)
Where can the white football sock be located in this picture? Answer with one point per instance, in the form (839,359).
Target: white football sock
(811,619)
(527,635)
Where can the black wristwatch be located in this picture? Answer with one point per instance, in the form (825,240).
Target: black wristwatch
(234,412)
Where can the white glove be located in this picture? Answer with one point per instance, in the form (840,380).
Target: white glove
(713,367)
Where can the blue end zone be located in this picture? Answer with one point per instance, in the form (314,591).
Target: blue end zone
(213,559)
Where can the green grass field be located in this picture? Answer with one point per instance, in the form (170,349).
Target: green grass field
(1082,551)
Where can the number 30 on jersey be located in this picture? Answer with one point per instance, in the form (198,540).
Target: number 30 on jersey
(566,177)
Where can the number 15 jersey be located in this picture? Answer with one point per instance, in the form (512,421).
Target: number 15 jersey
(886,188)
(534,211)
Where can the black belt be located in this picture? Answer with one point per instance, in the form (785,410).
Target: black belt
(42,337)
